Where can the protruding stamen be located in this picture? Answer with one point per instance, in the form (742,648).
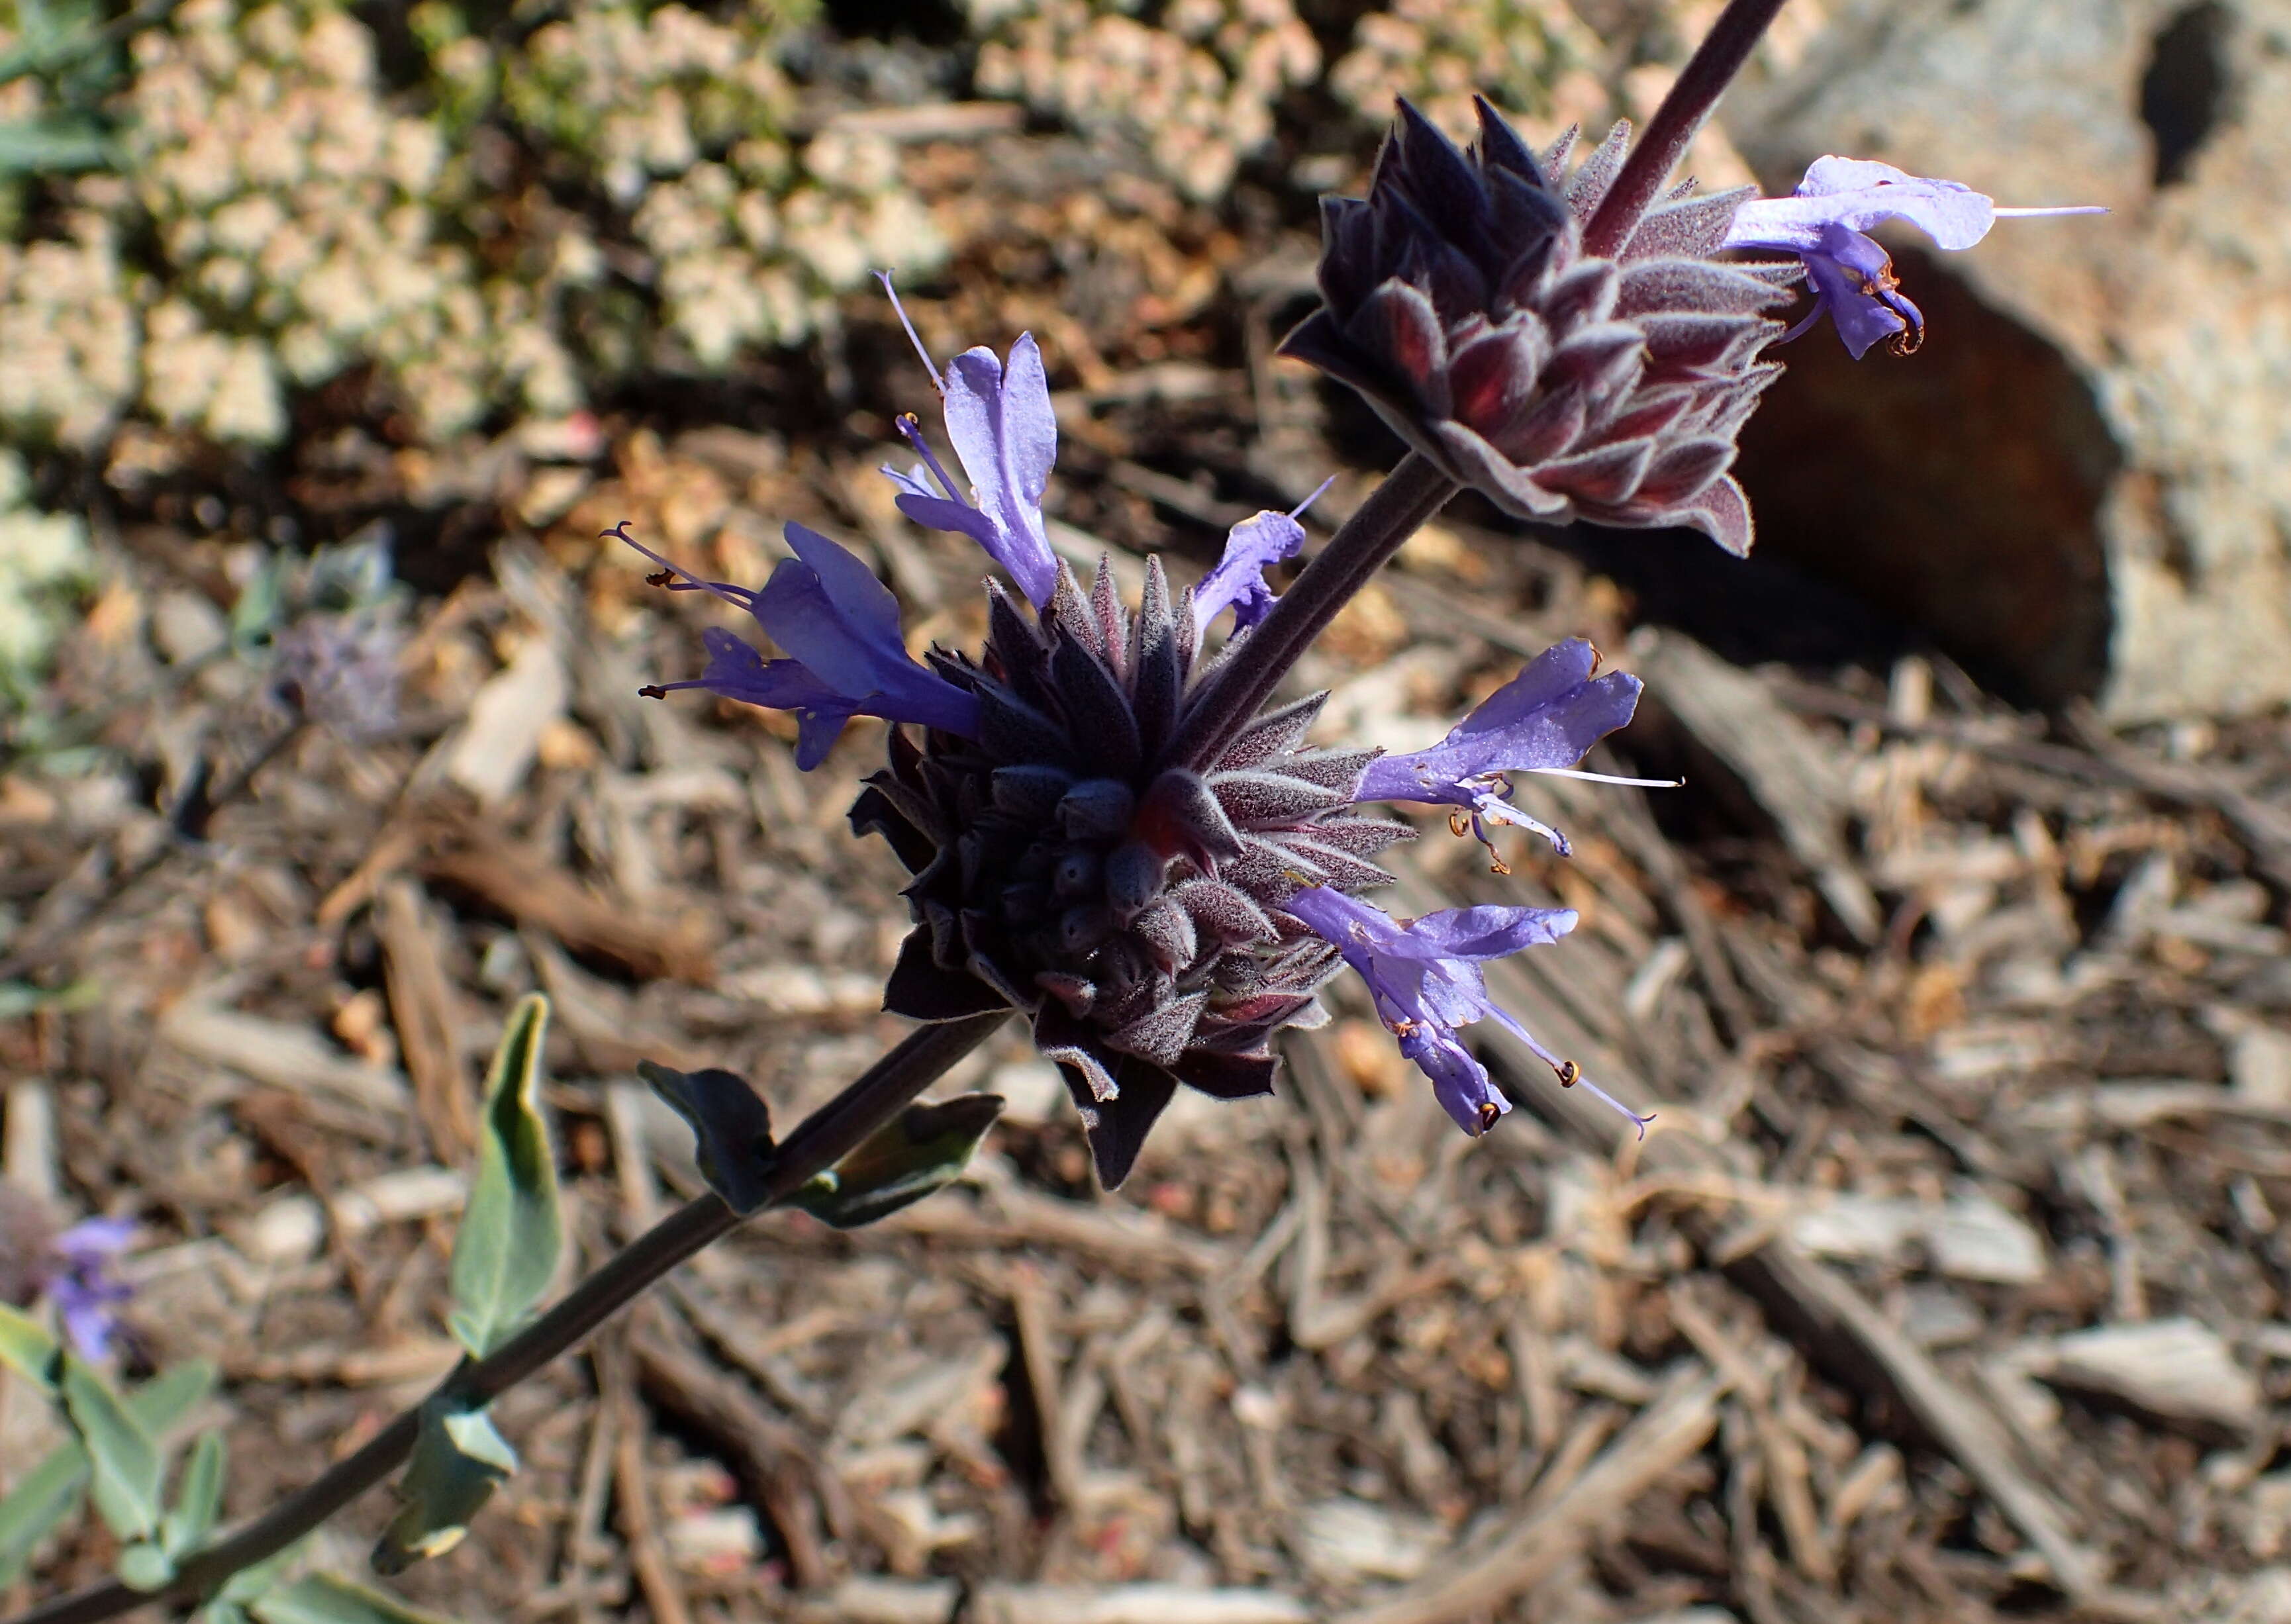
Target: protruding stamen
(675,577)
(1577,772)
(2033,213)
(910,428)
(914,338)
(1570,1074)
(1319,490)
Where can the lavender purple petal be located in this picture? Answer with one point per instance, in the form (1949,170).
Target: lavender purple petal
(1006,433)
(841,627)
(1251,547)
(87,1294)
(1424,975)
(1823,223)
(1544,719)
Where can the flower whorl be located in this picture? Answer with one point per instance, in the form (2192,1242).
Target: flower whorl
(1131,909)
(1459,301)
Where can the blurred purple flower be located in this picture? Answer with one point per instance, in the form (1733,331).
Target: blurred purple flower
(1006,435)
(1853,279)
(1251,547)
(80,1281)
(341,670)
(1424,978)
(841,627)
(1543,721)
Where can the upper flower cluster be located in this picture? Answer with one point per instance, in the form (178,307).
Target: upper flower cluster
(1462,300)
(1459,300)
(1157,920)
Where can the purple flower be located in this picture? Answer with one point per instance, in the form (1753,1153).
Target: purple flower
(1823,223)
(1004,431)
(81,1283)
(341,670)
(1543,721)
(841,627)
(1425,977)
(1251,547)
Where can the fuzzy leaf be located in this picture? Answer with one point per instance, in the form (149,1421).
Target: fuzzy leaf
(34,146)
(322,1598)
(512,1233)
(51,1491)
(27,1349)
(458,1458)
(144,1567)
(198,1498)
(926,1149)
(731,1130)
(43,1497)
(126,1456)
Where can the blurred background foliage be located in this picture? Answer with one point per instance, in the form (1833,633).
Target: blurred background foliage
(268,246)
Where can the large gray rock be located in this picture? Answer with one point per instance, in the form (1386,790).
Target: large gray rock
(2082,484)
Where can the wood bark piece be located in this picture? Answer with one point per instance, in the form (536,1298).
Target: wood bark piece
(778,1462)
(285,1057)
(1738,719)
(1831,1318)
(1832,1323)
(421,1009)
(2176,1372)
(663,1591)
(1665,1435)
(877,1601)
(533,891)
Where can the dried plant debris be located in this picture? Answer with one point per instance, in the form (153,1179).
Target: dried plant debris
(1945,1262)
(1947,1284)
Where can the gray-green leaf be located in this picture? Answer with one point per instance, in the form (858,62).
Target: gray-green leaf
(51,145)
(925,1149)
(124,1454)
(511,1235)
(51,1491)
(45,1497)
(28,1349)
(458,1458)
(322,1598)
(731,1130)
(198,1498)
(146,1567)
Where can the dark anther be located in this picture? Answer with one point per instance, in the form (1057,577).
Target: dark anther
(1490,1113)
(1569,1073)
(660,577)
(651,690)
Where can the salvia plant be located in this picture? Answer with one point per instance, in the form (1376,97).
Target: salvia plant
(1117,824)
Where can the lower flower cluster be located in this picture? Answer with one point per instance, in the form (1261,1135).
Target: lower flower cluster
(1157,920)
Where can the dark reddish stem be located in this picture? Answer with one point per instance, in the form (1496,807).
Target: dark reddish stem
(1411,493)
(821,1139)
(1667,135)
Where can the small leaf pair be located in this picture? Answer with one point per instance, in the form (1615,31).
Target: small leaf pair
(51,1490)
(924,1149)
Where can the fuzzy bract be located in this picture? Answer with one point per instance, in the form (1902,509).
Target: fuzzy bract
(1458,299)
(1062,867)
